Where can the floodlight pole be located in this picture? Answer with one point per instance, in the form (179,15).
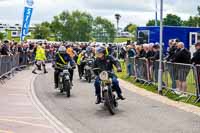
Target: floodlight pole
(156,13)
(161,49)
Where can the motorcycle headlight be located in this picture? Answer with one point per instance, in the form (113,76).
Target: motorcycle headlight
(65,71)
(104,75)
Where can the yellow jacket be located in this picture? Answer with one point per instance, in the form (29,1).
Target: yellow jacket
(40,54)
(79,58)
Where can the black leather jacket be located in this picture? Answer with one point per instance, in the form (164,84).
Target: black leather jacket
(106,64)
(196,57)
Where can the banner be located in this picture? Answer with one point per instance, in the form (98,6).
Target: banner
(28,10)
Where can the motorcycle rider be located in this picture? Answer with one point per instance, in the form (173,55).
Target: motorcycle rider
(105,62)
(61,59)
(89,53)
(85,54)
(71,53)
(80,63)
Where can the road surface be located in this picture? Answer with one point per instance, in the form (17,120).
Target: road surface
(136,114)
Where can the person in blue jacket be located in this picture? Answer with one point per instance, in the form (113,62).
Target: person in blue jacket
(62,59)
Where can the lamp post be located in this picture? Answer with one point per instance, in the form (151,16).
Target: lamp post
(161,49)
(117,16)
(156,13)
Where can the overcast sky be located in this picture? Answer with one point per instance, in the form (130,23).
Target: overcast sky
(132,11)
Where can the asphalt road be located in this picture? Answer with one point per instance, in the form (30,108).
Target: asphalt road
(136,114)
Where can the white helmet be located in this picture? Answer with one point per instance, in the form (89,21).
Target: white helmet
(62,49)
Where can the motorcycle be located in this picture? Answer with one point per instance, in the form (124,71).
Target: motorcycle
(108,97)
(64,80)
(88,70)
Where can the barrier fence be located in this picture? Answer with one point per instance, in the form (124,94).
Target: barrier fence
(8,64)
(179,78)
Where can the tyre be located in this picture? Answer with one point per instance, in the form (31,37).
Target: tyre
(67,88)
(89,77)
(80,76)
(109,102)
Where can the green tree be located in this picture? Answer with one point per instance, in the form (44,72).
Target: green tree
(1,36)
(192,21)
(152,22)
(75,26)
(169,20)
(42,31)
(172,20)
(103,30)
(131,28)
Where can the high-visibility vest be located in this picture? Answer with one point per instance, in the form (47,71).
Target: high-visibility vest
(79,58)
(40,54)
(63,61)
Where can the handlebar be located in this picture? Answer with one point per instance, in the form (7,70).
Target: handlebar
(103,70)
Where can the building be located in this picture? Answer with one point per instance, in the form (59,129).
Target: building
(14,30)
(124,34)
(151,34)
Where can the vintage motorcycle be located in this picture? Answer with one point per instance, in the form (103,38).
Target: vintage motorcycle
(64,80)
(89,75)
(108,97)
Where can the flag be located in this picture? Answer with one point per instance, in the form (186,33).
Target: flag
(28,10)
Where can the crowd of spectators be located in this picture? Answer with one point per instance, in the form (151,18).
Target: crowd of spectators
(176,54)
(178,60)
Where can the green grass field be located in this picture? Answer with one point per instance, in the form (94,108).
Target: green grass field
(153,88)
(120,40)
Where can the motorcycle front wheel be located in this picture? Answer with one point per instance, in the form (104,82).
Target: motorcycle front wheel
(109,102)
(67,88)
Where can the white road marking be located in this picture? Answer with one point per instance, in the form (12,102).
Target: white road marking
(59,126)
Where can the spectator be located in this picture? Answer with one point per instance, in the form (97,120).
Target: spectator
(155,58)
(183,56)
(148,53)
(196,61)
(122,53)
(171,52)
(0,47)
(130,61)
(5,48)
(13,48)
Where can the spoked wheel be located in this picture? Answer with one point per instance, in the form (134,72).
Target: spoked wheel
(89,77)
(109,102)
(67,88)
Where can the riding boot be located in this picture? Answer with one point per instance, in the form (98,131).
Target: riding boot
(98,99)
(45,70)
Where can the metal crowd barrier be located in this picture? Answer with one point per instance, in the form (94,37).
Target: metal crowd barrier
(8,64)
(142,70)
(178,78)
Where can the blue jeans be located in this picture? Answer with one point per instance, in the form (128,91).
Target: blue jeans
(115,83)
